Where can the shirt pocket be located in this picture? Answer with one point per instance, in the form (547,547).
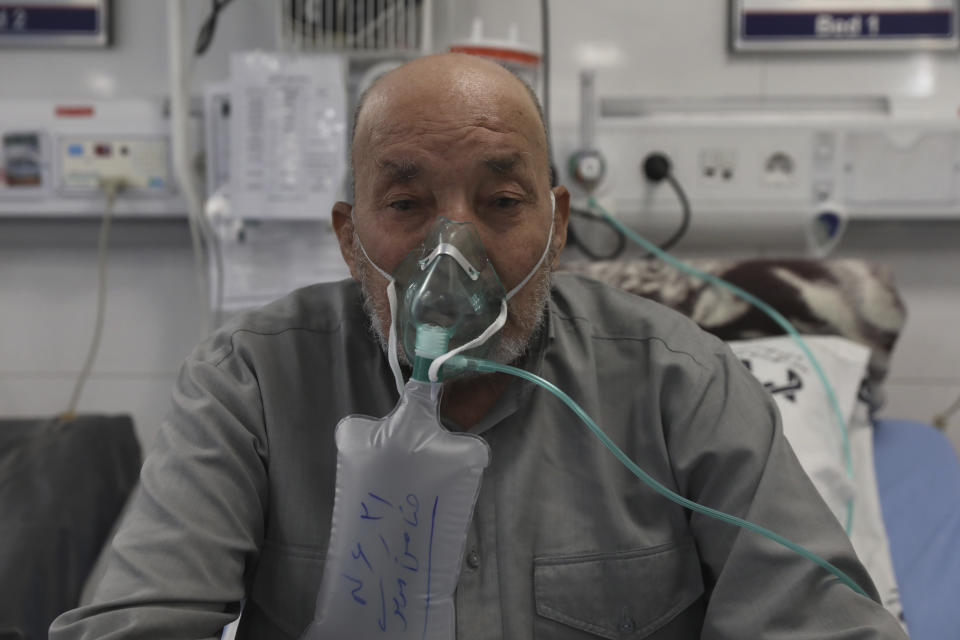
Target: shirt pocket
(286,584)
(626,594)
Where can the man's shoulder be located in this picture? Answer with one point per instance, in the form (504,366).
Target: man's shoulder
(325,308)
(583,304)
(322,307)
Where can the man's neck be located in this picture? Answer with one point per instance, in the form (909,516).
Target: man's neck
(466,402)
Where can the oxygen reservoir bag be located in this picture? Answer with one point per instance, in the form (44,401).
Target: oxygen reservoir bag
(405,493)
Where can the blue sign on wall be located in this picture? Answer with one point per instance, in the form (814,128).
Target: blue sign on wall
(810,24)
(52,23)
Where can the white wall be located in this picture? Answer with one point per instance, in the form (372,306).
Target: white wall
(48,279)
(136,65)
(48,276)
(675,48)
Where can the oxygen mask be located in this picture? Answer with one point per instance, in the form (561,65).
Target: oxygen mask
(446,298)
(448,288)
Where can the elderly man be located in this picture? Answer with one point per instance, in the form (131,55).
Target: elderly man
(236,496)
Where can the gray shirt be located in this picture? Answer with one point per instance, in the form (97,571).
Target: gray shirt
(236,495)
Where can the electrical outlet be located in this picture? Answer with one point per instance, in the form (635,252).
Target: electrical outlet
(718,166)
(779,168)
(144,162)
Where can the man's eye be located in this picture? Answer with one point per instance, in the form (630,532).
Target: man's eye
(505,202)
(402,205)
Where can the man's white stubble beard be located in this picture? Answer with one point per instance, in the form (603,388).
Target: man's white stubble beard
(523,325)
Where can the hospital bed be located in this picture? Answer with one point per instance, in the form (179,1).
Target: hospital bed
(919,483)
(917,472)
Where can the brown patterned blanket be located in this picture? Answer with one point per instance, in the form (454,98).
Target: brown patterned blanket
(850,298)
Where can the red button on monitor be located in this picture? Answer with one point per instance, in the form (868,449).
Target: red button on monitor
(102,150)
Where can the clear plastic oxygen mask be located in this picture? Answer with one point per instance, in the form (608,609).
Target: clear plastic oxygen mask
(448,287)
(448,282)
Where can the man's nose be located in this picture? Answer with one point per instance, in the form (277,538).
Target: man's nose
(458,208)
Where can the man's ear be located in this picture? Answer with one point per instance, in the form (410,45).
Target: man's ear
(343,226)
(560,221)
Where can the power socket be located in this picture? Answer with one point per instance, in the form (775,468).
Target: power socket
(143,162)
(779,168)
(718,166)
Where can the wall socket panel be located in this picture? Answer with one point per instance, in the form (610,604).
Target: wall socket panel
(144,162)
(759,168)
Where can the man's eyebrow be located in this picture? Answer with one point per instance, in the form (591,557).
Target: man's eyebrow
(402,170)
(506,163)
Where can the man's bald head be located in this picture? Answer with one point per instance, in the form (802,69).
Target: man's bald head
(453,76)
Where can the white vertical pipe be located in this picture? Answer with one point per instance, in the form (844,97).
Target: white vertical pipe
(392,24)
(361,20)
(368,15)
(381,24)
(329,33)
(179,113)
(294,25)
(426,25)
(350,41)
(371,26)
(588,108)
(280,42)
(412,15)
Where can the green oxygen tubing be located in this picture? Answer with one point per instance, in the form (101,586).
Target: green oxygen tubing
(763,306)
(486,366)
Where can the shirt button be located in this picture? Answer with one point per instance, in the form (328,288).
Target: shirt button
(627,625)
(473,559)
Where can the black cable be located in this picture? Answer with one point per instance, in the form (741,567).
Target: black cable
(685,221)
(668,244)
(209,27)
(574,239)
(656,168)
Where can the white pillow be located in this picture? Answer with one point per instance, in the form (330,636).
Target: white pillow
(869,535)
(811,427)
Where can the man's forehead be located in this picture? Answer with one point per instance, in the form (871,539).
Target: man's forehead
(396,138)
(463,108)
(393,119)
(466,96)
(407,168)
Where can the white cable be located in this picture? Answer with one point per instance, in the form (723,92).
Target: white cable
(546,250)
(110,188)
(179,111)
(218,262)
(213,243)
(392,339)
(203,229)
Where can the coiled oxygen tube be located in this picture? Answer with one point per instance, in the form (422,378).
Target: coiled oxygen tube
(764,307)
(486,366)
